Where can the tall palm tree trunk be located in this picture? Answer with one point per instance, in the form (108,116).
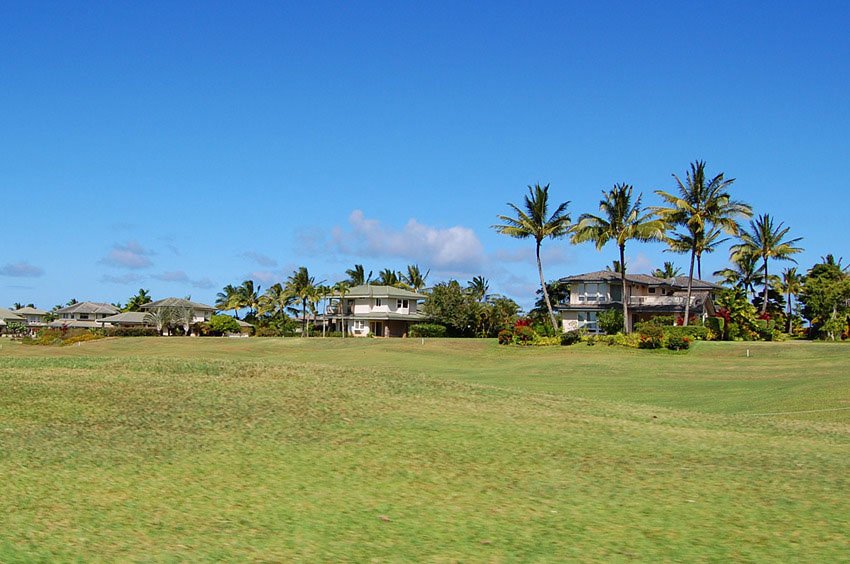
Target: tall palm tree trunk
(690,289)
(626,326)
(789,309)
(545,292)
(303,318)
(766,284)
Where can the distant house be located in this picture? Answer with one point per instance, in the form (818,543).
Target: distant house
(35,318)
(83,315)
(8,316)
(201,313)
(382,311)
(648,297)
(126,319)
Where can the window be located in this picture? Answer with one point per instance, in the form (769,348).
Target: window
(84,316)
(592,292)
(401,304)
(588,320)
(378,302)
(651,290)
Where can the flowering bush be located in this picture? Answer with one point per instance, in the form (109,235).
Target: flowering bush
(678,342)
(651,337)
(523,334)
(506,337)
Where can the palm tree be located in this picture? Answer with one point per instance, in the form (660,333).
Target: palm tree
(388,277)
(300,285)
(702,208)
(229,298)
(791,284)
(535,222)
(275,300)
(745,273)
(341,288)
(669,271)
(414,279)
(357,275)
(249,296)
(478,288)
(621,220)
(765,241)
(136,302)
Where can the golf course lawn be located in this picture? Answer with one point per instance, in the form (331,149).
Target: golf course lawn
(165,449)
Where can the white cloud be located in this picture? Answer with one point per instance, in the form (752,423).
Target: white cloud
(132,255)
(448,248)
(21,269)
(173,276)
(259,258)
(203,283)
(122,279)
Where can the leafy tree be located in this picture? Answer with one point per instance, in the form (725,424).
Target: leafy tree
(766,241)
(669,271)
(622,220)
(559,292)
(733,305)
(610,321)
(248,296)
(478,287)
(357,276)
(700,210)
(448,304)
(414,279)
(275,301)
(301,286)
(72,301)
(534,221)
(223,324)
(136,302)
(826,298)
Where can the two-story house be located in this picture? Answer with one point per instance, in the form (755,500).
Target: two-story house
(648,296)
(201,313)
(83,315)
(382,311)
(35,318)
(8,316)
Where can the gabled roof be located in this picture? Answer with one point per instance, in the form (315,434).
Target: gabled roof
(30,311)
(649,280)
(369,291)
(10,315)
(89,307)
(130,317)
(177,302)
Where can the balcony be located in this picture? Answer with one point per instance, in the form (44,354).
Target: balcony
(659,301)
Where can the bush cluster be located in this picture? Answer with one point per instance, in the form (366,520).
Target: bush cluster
(427,330)
(61,337)
(132,332)
(570,338)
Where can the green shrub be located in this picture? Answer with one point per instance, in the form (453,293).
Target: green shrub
(659,321)
(570,338)
(631,340)
(716,325)
(546,341)
(695,332)
(81,338)
(427,330)
(590,340)
(610,321)
(678,342)
(651,337)
(506,337)
(523,334)
(132,332)
(221,325)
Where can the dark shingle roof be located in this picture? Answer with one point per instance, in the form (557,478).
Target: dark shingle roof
(177,302)
(370,291)
(89,307)
(611,276)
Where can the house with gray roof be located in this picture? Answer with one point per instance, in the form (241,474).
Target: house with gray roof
(83,315)
(201,313)
(8,316)
(648,296)
(35,318)
(381,311)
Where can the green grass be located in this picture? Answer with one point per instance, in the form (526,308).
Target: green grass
(395,450)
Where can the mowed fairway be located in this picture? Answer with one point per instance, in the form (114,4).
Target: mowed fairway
(399,450)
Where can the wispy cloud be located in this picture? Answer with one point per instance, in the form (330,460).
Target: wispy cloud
(129,278)
(203,283)
(449,248)
(132,255)
(259,258)
(181,277)
(21,269)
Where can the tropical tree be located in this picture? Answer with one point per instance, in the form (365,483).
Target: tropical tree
(357,276)
(534,221)
(136,302)
(700,209)
(414,279)
(791,284)
(275,300)
(622,219)
(388,277)
(478,287)
(229,298)
(341,289)
(249,296)
(301,286)
(826,298)
(765,241)
(745,273)
(668,271)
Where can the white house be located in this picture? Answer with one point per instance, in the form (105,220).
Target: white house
(382,311)
(83,315)
(648,296)
(201,313)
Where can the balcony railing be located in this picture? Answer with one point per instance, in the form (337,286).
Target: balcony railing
(659,300)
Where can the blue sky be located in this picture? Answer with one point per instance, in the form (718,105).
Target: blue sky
(183,146)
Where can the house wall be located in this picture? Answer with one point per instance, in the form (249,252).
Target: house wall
(388,305)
